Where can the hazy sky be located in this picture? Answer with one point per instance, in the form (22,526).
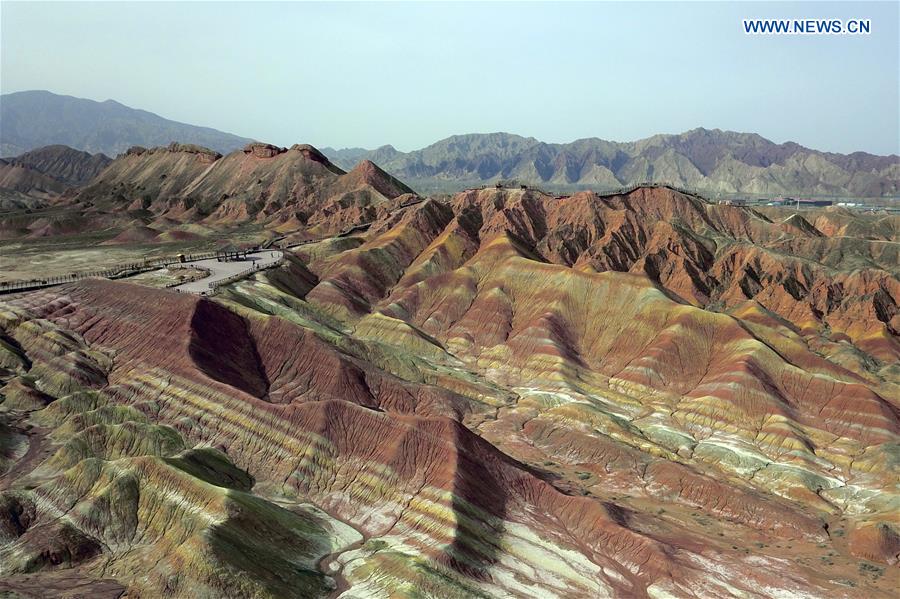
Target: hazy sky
(409,74)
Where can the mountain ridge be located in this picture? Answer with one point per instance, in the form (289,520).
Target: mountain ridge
(37,118)
(724,163)
(27,180)
(283,187)
(712,160)
(65,164)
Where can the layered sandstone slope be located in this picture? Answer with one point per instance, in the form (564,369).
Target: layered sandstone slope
(726,258)
(504,395)
(442,511)
(787,381)
(68,165)
(16,178)
(290,188)
(26,181)
(145,176)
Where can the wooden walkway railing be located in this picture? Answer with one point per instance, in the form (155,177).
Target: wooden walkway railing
(115,272)
(214,286)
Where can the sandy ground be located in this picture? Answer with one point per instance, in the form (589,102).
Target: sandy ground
(26,258)
(17,262)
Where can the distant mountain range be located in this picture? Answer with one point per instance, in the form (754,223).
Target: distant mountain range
(33,119)
(720,162)
(714,161)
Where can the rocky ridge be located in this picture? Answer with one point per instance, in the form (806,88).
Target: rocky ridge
(712,161)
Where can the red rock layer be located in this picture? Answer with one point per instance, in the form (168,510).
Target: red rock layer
(260,183)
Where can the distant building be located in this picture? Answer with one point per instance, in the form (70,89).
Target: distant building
(801,203)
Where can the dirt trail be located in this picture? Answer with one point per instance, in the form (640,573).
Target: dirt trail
(325,563)
(341,583)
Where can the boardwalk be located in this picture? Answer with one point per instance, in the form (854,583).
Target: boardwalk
(219,271)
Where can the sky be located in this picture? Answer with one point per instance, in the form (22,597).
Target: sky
(409,74)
